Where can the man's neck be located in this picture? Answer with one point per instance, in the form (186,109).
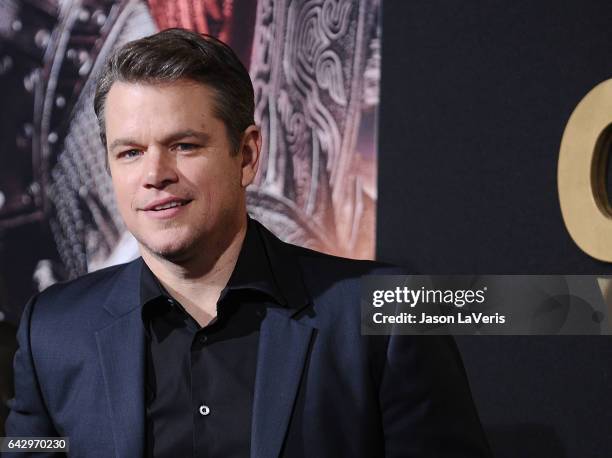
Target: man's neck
(198,281)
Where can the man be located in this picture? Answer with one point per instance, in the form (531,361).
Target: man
(220,340)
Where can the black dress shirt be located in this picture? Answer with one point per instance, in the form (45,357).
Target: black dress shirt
(200,380)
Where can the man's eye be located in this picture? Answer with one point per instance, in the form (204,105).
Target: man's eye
(185,146)
(131,153)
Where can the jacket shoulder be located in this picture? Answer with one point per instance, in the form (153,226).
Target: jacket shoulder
(87,283)
(341,267)
(82,297)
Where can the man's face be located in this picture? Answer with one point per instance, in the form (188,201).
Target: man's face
(176,181)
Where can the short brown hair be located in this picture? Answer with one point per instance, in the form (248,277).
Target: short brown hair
(175,54)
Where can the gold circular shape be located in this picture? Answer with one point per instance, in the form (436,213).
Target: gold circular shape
(581,175)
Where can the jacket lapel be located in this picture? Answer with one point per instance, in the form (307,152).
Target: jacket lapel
(283,350)
(284,344)
(121,348)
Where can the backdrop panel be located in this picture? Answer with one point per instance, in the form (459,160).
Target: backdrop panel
(474,101)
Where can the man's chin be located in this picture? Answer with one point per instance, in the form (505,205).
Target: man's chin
(172,252)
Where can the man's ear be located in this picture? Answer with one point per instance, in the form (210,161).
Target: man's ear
(250,149)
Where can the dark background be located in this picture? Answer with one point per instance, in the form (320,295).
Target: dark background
(474,100)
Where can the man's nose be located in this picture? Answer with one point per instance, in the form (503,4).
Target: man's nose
(159,168)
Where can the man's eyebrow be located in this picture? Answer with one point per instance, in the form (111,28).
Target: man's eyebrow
(201,136)
(121,142)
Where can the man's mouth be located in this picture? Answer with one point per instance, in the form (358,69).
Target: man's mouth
(170,205)
(166,204)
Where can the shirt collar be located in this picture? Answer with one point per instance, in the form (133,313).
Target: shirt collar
(252,271)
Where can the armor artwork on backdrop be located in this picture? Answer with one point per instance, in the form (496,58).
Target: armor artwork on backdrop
(315,66)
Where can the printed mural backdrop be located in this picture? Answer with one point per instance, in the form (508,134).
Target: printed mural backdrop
(315,65)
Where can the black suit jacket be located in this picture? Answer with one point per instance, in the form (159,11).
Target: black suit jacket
(322,389)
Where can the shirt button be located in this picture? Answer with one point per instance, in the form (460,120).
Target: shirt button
(204,410)
(203,339)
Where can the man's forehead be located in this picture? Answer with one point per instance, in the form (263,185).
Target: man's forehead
(170,101)
(174,102)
